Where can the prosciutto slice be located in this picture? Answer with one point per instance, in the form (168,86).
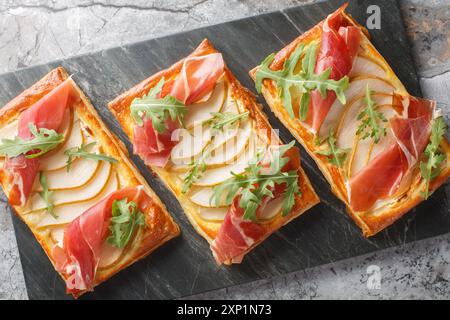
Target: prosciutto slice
(194,83)
(47,113)
(338,49)
(79,257)
(384,174)
(197,78)
(237,235)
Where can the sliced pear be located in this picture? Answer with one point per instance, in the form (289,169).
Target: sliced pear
(57,235)
(349,123)
(109,255)
(215,176)
(191,145)
(365,150)
(361,156)
(273,208)
(364,66)
(81,172)
(68,212)
(202,196)
(387,140)
(9,131)
(58,160)
(83,193)
(223,136)
(200,112)
(226,152)
(213,214)
(356,88)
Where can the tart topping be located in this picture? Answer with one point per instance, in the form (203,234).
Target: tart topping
(36,129)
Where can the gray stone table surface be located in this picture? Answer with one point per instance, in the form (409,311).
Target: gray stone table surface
(33,32)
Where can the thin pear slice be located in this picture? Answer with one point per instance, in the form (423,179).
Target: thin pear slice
(365,150)
(81,172)
(202,196)
(213,214)
(226,152)
(58,160)
(57,235)
(364,66)
(356,88)
(191,145)
(83,193)
(387,140)
(349,123)
(109,255)
(215,176)
(9,131)
(200,112)
(66,213)
(223,136)
(273,208)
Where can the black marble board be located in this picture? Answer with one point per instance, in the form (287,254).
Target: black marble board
(185,266)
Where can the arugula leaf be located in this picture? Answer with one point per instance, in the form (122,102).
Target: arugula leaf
(430,168)
(336,156)
(306,81)
(45,195)
(44,140)
(371,120)
(222,119)
(83,152)
(254,186)
(218,122)
(157,109)
(196,169)
(126,218)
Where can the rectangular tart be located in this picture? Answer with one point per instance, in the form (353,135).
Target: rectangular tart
(382,150)
(69,209)
(221,131)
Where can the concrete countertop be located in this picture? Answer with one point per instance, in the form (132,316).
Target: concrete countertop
(33,32)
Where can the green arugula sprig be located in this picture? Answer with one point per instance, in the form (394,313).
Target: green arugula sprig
(126,218)
(157,109)
(335,155)
(45,194)
(306,81)
(218,122)
(430,168)
(222,119)
(44,141)
(254,185)
(196,169)
(83,152)
(371,120)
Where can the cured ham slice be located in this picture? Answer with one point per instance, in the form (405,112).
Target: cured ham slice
(47,113)
(236,234)
(197,78)
(384,174)
(338,49)
(79,257)
(194,83)
(152,146)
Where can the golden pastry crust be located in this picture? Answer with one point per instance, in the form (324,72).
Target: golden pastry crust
(371,223)
(120,107)
(161,226)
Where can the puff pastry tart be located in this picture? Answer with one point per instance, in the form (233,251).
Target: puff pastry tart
(68,178)
(382,150)
(208,140)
